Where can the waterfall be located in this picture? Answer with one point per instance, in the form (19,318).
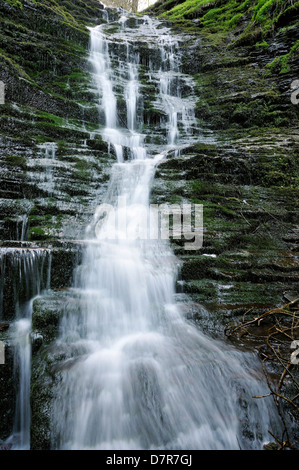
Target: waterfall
(25,273)
(22,366)
(135,373)
(22,232)
(48,150)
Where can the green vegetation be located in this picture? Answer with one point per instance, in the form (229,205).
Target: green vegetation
(281,63)
(212,14)
(76,13)
(48,49)
(15,3)
(16,161)
(254,19)
(229,13)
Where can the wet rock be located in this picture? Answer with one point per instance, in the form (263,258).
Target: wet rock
(8,394)
(46,315)
(244,174)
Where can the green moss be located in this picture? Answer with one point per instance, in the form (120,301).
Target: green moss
(216,14)
(260,17)
(82,165)
(281,64)
(12,63)
(276,178)
(262,45)
(15,3)
(37,233)
(16,161)
(270,12)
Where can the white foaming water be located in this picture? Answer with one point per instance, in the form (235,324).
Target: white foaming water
(137,375)
(21,337)
(29,271)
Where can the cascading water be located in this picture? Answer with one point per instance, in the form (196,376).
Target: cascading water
(25,273)
(22,365)
(136,374)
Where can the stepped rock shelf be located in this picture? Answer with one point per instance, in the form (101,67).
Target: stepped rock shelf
(117,345)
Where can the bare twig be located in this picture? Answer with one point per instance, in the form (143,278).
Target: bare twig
(282,331)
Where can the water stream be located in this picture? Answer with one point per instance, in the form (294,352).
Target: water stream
(136,374)
(25,274)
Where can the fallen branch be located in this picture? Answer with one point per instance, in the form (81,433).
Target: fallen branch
(282,331)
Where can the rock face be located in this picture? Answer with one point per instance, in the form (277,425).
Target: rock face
(55,168)
(248,176)
(49,166)
(247,180)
